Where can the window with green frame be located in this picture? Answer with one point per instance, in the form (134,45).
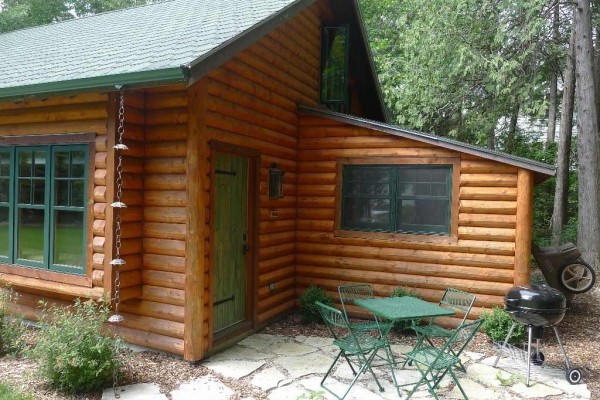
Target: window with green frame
(43,194)
(335,51)
(414,199)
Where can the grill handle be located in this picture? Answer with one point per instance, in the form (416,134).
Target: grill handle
(512,302)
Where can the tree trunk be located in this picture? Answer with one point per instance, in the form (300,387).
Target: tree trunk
(491,138)
(512,130)
(553,84)
(559,213)
(597,72)
(588,229)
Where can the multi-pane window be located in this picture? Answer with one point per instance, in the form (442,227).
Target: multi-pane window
(397,198)
(335,52)
(42,206)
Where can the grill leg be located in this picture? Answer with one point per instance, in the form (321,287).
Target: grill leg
(529,334)
(510,332)
(562,349)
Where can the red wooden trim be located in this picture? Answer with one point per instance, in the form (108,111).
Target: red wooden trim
(66,138)
(46,275)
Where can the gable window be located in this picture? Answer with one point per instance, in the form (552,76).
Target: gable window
(43,194)
(412,199)
(335,52)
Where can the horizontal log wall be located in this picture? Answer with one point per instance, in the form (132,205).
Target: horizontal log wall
(86,113)
(252,102)
(132,192)
(155,232)
(481,259)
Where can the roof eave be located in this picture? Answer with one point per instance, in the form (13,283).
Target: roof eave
(225,51)
(545,171)
(99,84)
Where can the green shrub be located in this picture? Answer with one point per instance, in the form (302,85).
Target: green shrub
(10,393)
(497,323)
(71,352)
(402,326)
(12,330)
(307,300)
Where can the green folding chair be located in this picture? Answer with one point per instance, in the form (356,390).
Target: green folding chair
(350,293)
(434,363)
(459,301)
(359,348)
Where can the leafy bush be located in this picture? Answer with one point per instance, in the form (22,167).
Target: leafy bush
(12,330)
(71,352)
(497,323)
(307,300)
(402,326)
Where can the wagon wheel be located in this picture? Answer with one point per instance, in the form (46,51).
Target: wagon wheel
(577,277)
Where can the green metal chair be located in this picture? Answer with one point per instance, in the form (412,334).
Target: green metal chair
(459,301)
(434,363)
(350,293)
(359,348)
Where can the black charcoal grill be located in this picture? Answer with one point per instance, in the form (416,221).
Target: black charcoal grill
(537,307)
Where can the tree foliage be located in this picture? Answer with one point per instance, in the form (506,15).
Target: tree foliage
(19,14)
(456,68)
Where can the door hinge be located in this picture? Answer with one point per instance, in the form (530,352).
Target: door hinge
(216,303)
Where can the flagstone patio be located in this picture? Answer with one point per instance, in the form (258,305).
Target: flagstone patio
(291,368)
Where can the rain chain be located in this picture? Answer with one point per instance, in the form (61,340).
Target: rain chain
(118,262)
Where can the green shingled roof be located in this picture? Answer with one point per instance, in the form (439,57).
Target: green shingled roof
(144,45)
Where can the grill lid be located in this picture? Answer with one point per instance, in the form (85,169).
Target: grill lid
(535,297)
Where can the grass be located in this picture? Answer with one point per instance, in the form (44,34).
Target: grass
(68,243)
(9,393)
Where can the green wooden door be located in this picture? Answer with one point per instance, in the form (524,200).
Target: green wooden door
(230,241)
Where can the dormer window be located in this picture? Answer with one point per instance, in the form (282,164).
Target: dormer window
(334,68)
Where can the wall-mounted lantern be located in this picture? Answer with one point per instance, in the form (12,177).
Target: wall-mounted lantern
(275,182)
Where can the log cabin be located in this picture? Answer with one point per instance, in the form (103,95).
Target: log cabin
(204,161)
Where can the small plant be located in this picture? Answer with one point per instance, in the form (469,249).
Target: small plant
(307,300)
(312,395)
(10,393)
(12,330)
(497,323)
(71,352)
(511,380)
(402,326)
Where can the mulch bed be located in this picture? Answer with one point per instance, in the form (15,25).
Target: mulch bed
(579,332)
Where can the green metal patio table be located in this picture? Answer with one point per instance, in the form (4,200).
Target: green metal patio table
(401,309)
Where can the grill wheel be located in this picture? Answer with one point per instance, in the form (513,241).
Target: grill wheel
(573,376)
(537,358)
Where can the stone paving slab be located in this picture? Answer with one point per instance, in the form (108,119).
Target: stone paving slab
(140,391)
(268,379)
(200,388)
(314,363)
(289,368)
(261,341)
(290,349)
(235,369)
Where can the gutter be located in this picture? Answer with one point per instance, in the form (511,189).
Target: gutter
(98,84)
